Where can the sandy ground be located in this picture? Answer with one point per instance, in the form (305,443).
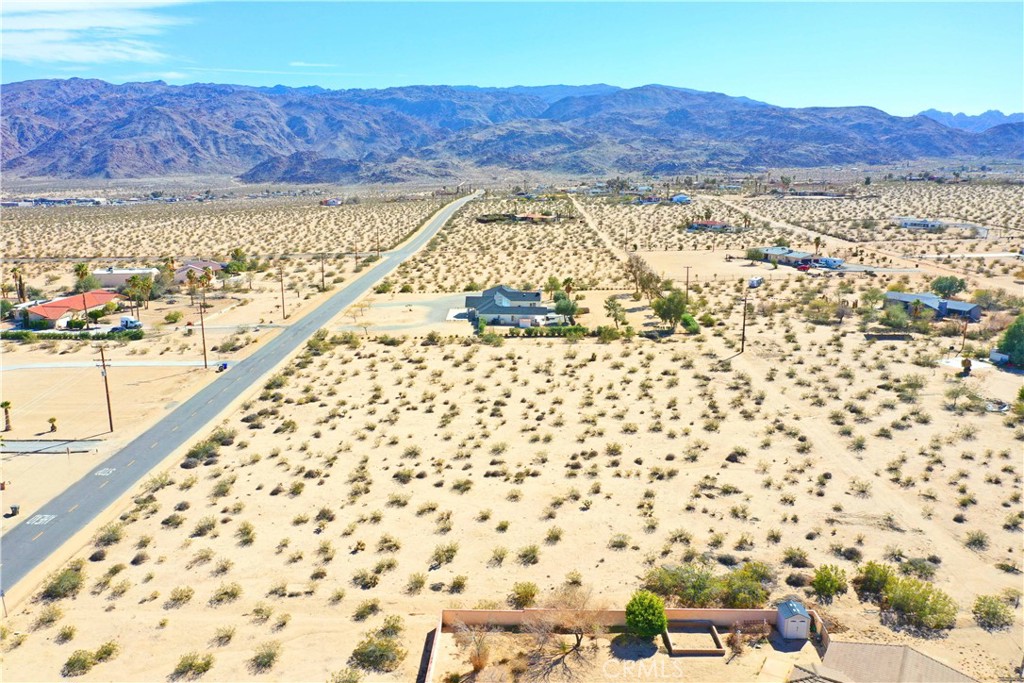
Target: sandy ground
(353,468)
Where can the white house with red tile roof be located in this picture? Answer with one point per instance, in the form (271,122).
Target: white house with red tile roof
(57,312)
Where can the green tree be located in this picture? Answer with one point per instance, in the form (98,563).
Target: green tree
(820,310)
(670,309)
(871,297)
(948,286)
(615,311)
(829,581)
(567,307)
(755,255)
(552,285)
(86,284)
(1012,343)
(81,270)
(645,615)
(919,603)
(895,317)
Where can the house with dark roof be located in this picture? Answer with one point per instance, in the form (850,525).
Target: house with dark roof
(785,256)
(503,305)
(942,307)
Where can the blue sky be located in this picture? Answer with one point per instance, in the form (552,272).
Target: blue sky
(901,57)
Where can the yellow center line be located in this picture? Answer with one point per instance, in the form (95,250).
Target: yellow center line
(37,535)
(132,462)
(104,483)
(73,507)
(175,428)
(153,445)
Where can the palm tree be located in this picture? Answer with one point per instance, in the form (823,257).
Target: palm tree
(817,244)
(614,310)
(193,283)
(81,271)
(568,285)
(6,405)
(19,283)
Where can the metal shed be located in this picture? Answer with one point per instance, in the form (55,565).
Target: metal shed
(793,620)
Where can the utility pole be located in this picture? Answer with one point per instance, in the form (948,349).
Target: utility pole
(378,242)
(743,334)
(686,296)
(323,282)
(85,310)
(280,276)
(106,387)
(202,325)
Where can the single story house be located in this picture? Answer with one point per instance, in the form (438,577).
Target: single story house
(708,226)
(113,278)
(681,199)
(919,223)
(942,307)
(58,312)
(503,305)
(786,256)
(873,662)
(198,267)
(793,621)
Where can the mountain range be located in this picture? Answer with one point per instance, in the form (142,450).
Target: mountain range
(81,128)
(976,124)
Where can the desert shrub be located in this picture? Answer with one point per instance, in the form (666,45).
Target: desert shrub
(977,540)
(991,613)
(529,555)
(48,616)
(692,585)
(378,652)
(346,675)
(366,609)
(523,594)
(227,592)
(645,615)
(179,596)
(746,587)
(107,651)
(110,534)
(192,665)
(796,557)
(829,581)
(872,578)
(78,663)
(919,603)
(443,554)
(65,583)
(265,656)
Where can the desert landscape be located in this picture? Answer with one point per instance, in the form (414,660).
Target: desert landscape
(400,465)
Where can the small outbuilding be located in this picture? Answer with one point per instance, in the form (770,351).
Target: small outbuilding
(793,621)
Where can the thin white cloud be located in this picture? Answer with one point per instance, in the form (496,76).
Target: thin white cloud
(317,65)
(84,32)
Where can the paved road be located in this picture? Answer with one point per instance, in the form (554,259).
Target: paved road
(118,364)
(36,538)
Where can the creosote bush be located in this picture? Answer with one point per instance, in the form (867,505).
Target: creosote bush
(645,615)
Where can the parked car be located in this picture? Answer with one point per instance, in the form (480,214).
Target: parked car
(803,267)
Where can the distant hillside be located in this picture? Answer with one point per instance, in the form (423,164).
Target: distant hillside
(975,124)
(79,128)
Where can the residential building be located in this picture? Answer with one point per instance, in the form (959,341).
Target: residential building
(58,312)
(785,256)
(198,267)
(708,226)
(919,223)
(941,307)
(503,305)
(681,199)
(112,278)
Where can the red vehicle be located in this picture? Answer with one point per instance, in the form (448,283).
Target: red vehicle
(803,267)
